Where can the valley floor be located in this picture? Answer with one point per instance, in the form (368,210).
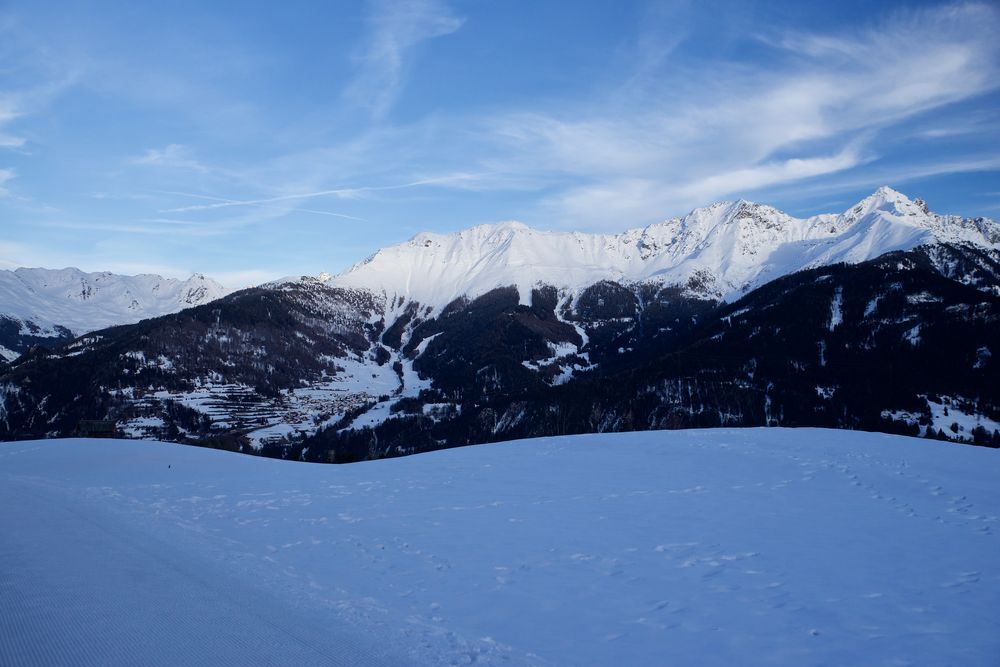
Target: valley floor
(714,547)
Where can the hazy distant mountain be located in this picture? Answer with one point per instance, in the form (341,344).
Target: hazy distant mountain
(39,305)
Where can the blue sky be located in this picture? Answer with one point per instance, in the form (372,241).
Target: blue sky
(254,140)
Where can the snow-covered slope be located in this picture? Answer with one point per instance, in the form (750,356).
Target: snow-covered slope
(721,547)
(719,251)
(83,302)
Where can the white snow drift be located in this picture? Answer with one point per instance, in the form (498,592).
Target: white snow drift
(760,546)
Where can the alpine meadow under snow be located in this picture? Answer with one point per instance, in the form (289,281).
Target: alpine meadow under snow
(710,547)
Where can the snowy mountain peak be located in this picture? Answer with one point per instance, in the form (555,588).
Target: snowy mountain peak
(503,227)
(718,251)
(887,193)
(748,212)
(890,201)
(494,232)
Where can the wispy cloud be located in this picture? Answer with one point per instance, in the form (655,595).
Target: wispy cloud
(8,141)
(233,145)
(769,173)
(173,155)
(896,175)
(145,227)
(395,28)
(221,202)
(5,175)
(29,82)
(818,109)
(449,180)
(672,136)
(8,113)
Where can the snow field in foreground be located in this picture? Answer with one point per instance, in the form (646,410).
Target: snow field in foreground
(718,547)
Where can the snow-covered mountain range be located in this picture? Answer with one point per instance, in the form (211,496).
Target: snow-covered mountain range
(881,318)
(59,302)
(719,252)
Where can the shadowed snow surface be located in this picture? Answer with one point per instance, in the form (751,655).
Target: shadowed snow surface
(713,547)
